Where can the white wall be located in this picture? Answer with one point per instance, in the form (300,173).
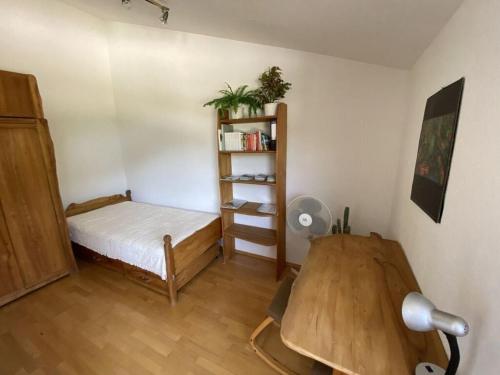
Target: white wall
(67,51)
(457,262)
(345,121)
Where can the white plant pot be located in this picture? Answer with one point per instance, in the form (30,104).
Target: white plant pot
(246,110)
(240,113)
(270,109)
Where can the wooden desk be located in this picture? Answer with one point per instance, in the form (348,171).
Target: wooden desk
(345,309)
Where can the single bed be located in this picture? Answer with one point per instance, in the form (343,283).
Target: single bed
(159,247)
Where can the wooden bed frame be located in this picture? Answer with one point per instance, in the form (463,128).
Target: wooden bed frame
(183,261)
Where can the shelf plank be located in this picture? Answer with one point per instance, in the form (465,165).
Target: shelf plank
(249,208)
(247,152)
(248,120)
(261,236)
(252,182)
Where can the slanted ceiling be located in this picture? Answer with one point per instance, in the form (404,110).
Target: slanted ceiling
(387,32)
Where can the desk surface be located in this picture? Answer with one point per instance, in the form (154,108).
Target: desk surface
(345,309)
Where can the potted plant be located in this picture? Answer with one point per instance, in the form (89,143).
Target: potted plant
(235,102)
(273,88)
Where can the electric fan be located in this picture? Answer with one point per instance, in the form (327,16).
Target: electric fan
(309,217)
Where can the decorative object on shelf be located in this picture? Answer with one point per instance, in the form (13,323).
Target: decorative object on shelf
(267,208)
(420,314)
(230,178)
(271,178)
(165,10)
(234,204)
(247,177)
(235,102)
(345,227)
(435,149)
(309,216)
(273,88)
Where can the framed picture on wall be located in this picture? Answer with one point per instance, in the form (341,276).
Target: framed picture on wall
(435,149)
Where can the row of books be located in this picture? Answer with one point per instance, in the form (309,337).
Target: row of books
(240,141)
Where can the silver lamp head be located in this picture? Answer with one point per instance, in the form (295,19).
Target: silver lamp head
(420,314)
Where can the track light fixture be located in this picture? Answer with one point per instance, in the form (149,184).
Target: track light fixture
(164,15)
(165,10)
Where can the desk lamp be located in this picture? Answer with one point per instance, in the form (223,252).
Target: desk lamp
(420,314)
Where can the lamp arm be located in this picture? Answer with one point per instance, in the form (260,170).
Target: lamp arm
(454,355)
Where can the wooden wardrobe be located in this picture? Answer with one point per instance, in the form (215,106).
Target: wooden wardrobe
(34,243)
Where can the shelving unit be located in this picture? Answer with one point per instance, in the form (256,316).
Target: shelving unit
(258,235)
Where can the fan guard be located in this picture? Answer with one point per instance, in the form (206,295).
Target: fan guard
(308,216)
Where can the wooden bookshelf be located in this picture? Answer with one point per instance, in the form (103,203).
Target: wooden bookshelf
(258,235)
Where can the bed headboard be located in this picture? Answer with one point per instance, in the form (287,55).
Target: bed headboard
(94,204)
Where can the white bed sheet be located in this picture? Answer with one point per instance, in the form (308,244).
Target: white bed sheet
(133,232)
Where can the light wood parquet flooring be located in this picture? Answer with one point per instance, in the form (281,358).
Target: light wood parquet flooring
(98,322)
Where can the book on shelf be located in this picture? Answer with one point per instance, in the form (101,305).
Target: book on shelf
(272,140)
(230,140)
(267,208)
(219,138)
(234,204)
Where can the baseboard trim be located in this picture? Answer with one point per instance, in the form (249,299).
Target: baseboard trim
(21,293)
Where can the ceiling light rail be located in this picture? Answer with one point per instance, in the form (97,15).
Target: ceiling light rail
(165,10)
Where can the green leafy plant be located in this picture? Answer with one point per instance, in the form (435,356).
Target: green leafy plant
(231,100)
(273,87)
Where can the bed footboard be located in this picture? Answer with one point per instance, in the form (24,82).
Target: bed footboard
(190,256)
(169,258)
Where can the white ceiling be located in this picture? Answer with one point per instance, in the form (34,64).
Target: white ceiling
(386,32)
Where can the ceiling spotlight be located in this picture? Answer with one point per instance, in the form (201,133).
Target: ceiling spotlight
(164,15)
(157,3)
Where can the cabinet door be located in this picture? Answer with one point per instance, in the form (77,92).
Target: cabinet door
(10,278)
(28,205)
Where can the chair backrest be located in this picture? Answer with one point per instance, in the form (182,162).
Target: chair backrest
(277,308)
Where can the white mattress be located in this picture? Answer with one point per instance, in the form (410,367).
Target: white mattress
(133,232)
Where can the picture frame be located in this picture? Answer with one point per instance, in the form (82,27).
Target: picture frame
(435,149)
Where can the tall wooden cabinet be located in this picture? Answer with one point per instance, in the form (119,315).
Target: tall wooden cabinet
(34,243)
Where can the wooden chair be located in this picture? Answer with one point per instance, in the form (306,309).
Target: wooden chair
(266,339)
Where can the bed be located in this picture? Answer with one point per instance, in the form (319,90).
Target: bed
(159,247)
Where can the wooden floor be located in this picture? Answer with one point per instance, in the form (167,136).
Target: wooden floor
(97,322)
